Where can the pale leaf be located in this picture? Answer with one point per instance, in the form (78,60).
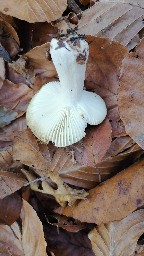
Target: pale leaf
(117,20)
(119,237)
(33,240)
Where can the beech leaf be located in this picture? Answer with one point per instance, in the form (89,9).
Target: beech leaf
(36,11)
(117,20)
(131,95)
(124,192)
(118,237)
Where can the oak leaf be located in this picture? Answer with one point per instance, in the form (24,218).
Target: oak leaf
(118,237)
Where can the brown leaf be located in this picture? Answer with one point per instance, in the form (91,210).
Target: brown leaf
(102,76)
(46,167)
(5,155)
(36,11)
(14,99)
(66,243)
(2,71)
(123,192)
(117,20)
(131,96)
(10,182)
(30,154)
(33,240)
(10,208)
(119,237)
(38,59)
(10,240)
(7,133)
(94,146)
(9,37)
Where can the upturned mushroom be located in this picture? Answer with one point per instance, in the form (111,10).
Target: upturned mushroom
(60,111)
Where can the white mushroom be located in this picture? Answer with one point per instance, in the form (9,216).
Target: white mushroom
(60,111)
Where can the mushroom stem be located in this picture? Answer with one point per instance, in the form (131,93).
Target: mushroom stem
(70,60)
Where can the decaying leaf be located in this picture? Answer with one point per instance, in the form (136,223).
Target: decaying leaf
(10,208)
(9,38)
(131,95)
(14,99)
(28,242)
(36,11)
(94,146)
(9,183)
(118,20)
(7,133)
(5,155)
(119,237)
(33,240)
(2,71)
(38,59)
(124,192)
(102,76)
(10,240)
(45,167)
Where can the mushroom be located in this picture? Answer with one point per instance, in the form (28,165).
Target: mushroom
(60,111)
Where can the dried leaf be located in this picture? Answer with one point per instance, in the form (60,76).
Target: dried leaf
(2,71)
(33,240)
(14,99)
(10,182)
(5,155)
(123,192)
(30,154)
(46,168)
(10,240)
(10,208)
(118,20)
(9,38)
(119,237)
(102,76)
(131,96)
(94,146)
(7,133)
(36,11)
(38,59)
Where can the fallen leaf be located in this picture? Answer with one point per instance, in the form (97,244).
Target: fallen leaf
(9,38)
(14,99)
(33,240)
(38,59)
(118,237)
(5,155)
(131,96)
(102,76)
(30,155)
(10,208)
(117,20)
(7,133)
(67,243)
(10,240)
(2,71)
(36,11)
(123,192)
(46,168)
(10,182)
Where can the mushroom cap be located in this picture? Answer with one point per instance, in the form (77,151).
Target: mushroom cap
(50,119)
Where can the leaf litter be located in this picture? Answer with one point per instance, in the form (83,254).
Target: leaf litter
(101,177)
